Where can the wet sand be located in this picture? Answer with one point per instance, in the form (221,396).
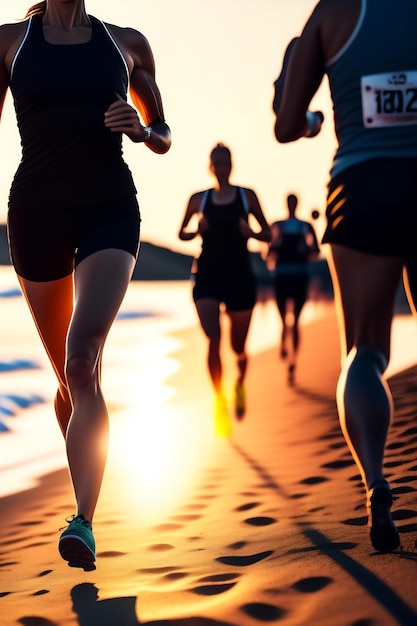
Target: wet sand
(269,526)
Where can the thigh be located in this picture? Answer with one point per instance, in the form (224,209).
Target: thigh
(100,281)
(51,305)
(208,310)
(300,289)
(239,327)
(282,293)
(365,288)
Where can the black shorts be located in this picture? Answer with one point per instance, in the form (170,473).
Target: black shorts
(238,293)
(48,244)
(372,207)
(291,286)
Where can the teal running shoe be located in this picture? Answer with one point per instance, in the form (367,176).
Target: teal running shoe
(76,544)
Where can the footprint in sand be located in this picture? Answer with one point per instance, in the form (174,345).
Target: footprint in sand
(313,480)
(270,613)
(260,521)
(212,590)
(161,547)
(312,584)
(263,612)
(238,545)
(110,553)
(41,592)
(247,507)
(243,561)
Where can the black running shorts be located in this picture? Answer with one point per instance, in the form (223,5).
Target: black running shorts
(48,244)
(372,207)
(238,293)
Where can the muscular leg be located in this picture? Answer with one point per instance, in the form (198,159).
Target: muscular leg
(100,281)
(365,288)
(299,303)
(282,310)
(51,306)
(209,314)
(240,321)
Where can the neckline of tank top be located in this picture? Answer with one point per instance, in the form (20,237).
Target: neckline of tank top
(69,45)
(224,203)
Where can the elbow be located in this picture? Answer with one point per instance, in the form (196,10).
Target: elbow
(281,134)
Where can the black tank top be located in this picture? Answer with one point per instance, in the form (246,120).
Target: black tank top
(69,158)
(224,251)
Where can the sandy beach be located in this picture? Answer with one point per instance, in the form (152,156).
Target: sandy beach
(267,526)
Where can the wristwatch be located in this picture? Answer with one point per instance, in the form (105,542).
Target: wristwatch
(147,132)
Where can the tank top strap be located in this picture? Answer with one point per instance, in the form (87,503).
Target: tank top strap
(204,199)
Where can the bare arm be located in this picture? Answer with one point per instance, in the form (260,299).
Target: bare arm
(325,33)
(193,208)
(272,256)
(4,83)
(255,208)
(303,77)
(313,244)
(121,117)
(10,37)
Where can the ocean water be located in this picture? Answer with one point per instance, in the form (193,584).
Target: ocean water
(140,354)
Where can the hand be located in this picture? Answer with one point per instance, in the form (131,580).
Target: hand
(120,117)
(315,120)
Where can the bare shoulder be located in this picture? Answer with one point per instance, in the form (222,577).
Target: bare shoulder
(250,194)
(129,37)
(332,9)
(11,36)
(195,201)
(333,21)
(198,196)
(135,47)
(10,33)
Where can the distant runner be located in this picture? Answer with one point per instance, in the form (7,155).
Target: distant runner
(293,246)
(224,274)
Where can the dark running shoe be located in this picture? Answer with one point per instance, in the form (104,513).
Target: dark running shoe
(384,534)
(240,400)
(76,544)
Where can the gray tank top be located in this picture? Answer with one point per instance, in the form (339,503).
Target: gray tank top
(373,82)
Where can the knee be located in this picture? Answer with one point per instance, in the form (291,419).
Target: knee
(214,341)
(80,372)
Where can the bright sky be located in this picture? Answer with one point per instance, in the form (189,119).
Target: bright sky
(215,65)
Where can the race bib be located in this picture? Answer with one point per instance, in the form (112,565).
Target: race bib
(389,99)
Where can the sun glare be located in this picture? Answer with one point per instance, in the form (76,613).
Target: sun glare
(155,446)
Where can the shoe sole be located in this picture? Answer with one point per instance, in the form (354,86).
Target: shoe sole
(77,553)
(384,534)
